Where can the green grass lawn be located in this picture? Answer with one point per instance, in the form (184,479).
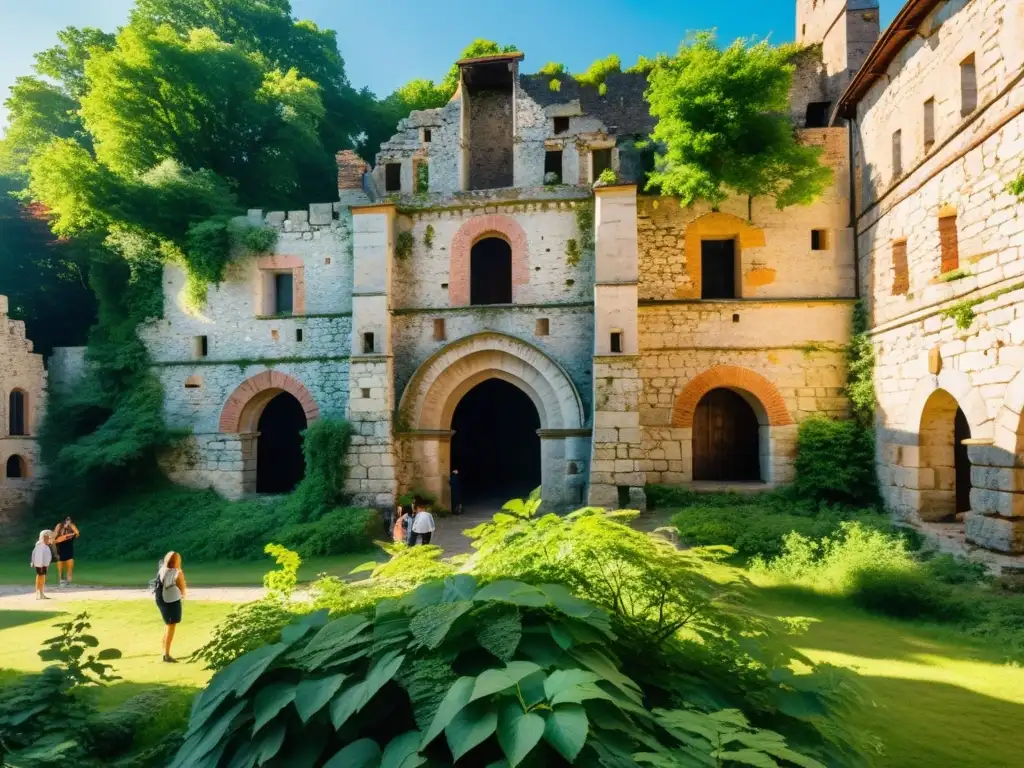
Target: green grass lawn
(14,570)
(938,698)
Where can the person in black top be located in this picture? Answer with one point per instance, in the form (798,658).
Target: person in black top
(64,536)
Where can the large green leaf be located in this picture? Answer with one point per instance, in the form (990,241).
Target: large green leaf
(380,674)
(566,602)
(424,595)
(566,730)
(518,732)
(403,751)
(461,586)
(515,592)
(470,727)
(495,680)
(598,662)
(207,736)
(563,679)
(430,626)
(331,639)
(270,743)
(501,636)
(269,701)
(346,704)
(359,754)
(453,702)
(312,695)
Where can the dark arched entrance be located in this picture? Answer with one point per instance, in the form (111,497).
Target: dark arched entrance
(490,272)
(961,461)
(16,467)
(496,447)
(725,438)
(279,461)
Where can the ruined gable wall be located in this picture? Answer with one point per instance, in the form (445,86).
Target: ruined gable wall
(23,370)
(442,153)
(965,174)
(535,133)
(490,138)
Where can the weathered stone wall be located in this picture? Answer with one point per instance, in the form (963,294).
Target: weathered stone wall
(845,29)
(490,138)
(409,146)
(21,371)
(776,259)
(923,357)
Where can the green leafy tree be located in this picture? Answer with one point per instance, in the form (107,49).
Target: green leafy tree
(723,124)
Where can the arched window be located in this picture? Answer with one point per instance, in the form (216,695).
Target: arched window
(16,467)
(490,272)
(16,411)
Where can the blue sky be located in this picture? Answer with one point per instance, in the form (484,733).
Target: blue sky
(387,42)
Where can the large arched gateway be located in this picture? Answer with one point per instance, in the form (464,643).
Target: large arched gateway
(504,409)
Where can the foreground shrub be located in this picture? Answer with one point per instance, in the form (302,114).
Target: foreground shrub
(835,462)
(508,672)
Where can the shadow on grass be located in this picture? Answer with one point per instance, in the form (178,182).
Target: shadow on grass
(869,634)
(9,619)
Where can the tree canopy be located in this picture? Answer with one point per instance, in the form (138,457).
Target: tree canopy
(724,125)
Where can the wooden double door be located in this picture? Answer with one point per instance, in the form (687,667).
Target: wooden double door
(725,439)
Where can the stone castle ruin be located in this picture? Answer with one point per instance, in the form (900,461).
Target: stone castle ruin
(480,299)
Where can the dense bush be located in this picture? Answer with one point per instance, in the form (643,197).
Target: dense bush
(835,462)
(508,672)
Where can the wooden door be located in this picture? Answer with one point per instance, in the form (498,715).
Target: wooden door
(725,439)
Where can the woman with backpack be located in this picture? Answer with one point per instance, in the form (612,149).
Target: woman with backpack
(169,587)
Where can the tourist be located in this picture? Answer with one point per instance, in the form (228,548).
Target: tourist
(170,592)
(41,559)
(422,522)
(64,536)
(400,532)
(455,487)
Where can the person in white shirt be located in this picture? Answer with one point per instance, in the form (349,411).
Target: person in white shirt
(422,522)
(42,556)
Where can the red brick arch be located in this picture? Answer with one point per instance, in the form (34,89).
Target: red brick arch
(241,411)
(477,228)
(730,377)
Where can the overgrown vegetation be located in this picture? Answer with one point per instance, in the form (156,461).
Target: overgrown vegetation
(860,369)
(724,127)
(428,237)
(954,274)
(554,621)
(572,252)
(404,244)
(835,462)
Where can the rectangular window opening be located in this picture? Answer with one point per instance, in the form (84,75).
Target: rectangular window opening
(427,135)
(897,153)
(968,86)
(543,327)
(200,346)
(718,269)
(819,240)
(553,165)
(368,343)
(439,333)
(616,341)
(600,159)
(949,243)
(561,125)
(365,393)
(393,177)
(283,286)
(817,114)
(298,334)
(901,273)
(929,124)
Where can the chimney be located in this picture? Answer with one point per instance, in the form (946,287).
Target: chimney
(351,168)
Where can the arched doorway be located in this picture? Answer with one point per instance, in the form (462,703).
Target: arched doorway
(945,467)
(490,272)
(495,445)
(726,443)
(16,467)
(280,464)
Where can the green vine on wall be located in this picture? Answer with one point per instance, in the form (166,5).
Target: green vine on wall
(572,252)
(962,313)
(860,365)
(403,245)
(428,236)
(585,225)
(422,178)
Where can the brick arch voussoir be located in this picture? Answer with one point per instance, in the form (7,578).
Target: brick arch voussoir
(233,416)
(733,377)
(462,244)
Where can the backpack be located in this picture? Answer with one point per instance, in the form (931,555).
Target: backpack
(154,583)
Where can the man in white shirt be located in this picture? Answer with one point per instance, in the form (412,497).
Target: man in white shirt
(422,522)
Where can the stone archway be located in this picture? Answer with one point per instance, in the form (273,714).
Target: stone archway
(474,230)
(240,417)
(440,383)
(776,428)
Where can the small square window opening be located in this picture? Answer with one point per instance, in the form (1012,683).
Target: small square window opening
(200,346)
(553,165)
(439,331)
(561,125)
(616,341)
(427,135)
(365,393)
(819,240)
(817,114)
(368,343)
(543,327)
(298,334)
(283,286)
(600,160)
